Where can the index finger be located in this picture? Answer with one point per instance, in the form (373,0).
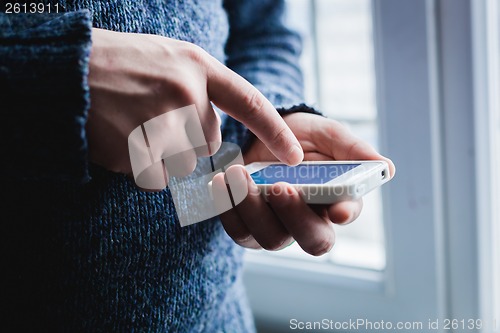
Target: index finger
(241,100)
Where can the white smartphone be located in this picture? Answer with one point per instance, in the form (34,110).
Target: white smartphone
(322,182)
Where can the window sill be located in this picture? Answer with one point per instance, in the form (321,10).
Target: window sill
(357,265)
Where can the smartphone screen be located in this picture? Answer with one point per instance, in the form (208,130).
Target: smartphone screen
(300,174)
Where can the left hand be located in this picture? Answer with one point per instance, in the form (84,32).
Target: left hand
(273,225)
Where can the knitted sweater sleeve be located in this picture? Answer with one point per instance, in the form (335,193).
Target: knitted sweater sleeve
(266,52)
(45,98)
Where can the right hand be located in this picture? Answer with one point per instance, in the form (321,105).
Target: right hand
(136,77)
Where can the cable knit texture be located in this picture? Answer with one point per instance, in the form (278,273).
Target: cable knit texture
(82,249)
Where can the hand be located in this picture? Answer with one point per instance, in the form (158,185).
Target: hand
(255,223)
(136,77)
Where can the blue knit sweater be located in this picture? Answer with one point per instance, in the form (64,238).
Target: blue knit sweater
(81,248)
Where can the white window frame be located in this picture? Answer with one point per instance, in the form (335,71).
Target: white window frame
(441,227)
(486,62)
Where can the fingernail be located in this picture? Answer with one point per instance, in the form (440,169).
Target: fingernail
(295,156)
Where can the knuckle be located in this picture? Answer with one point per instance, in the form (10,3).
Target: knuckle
(352,149)
(249,243)
(254,103)
(183,81)
(280,138)
(273,244)
(194,53)
(337,128)
(320,247)
(237,232)
(241,237)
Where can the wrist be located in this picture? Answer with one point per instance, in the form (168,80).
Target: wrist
(298,108)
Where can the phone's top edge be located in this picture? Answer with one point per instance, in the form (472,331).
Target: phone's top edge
(319,162)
